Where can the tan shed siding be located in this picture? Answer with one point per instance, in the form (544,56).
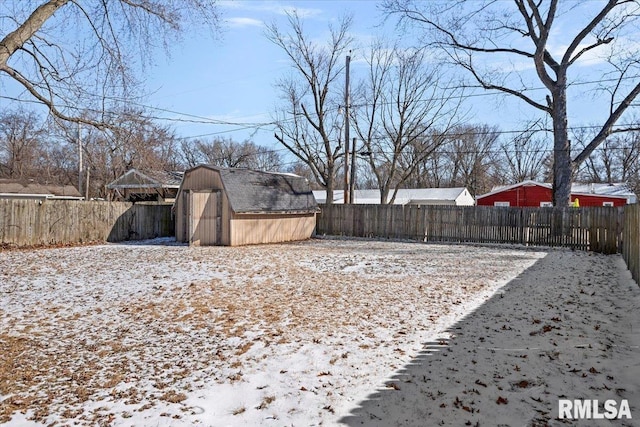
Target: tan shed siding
(272,228)
(238,229)
(198,180)
(202,179)
(225,238)
(204,218)
(178,218)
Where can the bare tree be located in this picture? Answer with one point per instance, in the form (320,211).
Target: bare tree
(308,124)
(132,141)
(226,152)
(71,56)
(58,162)
(524,156)
(399,105)
(616,160)
(302,169)
(472,33)
(599,166)
(628,157)
(471,153)
(22,135)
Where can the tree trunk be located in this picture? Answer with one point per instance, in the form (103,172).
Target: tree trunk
(384,194)
(562,164)
(330,184)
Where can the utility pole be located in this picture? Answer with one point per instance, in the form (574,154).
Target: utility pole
(80,170)
(86,197)
(352,179)
(347,198)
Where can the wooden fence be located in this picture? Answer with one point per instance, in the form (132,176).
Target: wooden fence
(631,240)
(596,229)
(51,222)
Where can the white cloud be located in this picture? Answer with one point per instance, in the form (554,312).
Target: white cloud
(301,11)
(274,7)
(241,22)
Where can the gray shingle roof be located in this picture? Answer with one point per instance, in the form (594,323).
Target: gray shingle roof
(252,191)
(14,186)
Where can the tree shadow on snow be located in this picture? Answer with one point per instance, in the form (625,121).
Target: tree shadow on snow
(506,363)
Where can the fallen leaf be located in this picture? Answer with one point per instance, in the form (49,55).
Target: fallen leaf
(501,401)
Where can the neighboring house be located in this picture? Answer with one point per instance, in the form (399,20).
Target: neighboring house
(537,194)
(19,189)
(458,196)
(148,186)
(232,207)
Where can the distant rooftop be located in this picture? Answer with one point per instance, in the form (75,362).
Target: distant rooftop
(29,187)
(404,196)
(135,178)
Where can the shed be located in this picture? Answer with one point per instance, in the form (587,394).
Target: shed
(538,194)
(148,186)
(457,196)
(233,207)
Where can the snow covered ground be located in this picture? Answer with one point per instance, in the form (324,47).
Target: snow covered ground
(320,332)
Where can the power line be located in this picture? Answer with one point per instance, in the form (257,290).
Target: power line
(196,119)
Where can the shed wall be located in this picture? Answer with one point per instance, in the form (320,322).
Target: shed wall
(204,218)
(271,228)
(179,215)
(198,180)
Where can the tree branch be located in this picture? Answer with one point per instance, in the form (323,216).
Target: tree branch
(504,89)
(17,38)
(606,129)
(567,58)
(46,101)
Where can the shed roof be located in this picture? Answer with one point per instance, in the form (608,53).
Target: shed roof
(252,191)
(15,186)
(134,178)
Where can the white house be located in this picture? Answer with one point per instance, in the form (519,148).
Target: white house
(458,196)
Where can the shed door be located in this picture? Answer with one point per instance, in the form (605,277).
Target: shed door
(204,217)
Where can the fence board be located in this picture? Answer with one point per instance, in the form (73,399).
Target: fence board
(631,240)
(596,229)
(51,222)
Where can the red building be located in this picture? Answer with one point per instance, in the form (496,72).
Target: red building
(537,194)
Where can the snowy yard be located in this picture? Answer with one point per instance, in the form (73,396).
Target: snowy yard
(294,334)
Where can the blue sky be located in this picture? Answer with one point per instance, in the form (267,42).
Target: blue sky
(232,79)
(205,81)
